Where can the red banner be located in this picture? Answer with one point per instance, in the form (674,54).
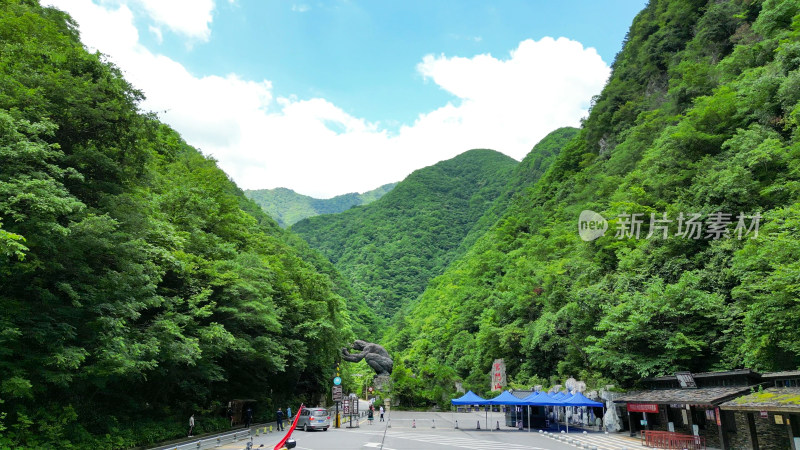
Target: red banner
(643,407)
(291,429)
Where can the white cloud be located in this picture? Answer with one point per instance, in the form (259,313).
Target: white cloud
(316,148)
(300,8)
(190,18)
(157,32)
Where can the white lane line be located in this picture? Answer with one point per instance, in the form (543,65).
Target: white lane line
(376,445)
(600,441)
(462,442)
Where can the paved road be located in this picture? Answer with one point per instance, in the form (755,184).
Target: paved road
(414,431)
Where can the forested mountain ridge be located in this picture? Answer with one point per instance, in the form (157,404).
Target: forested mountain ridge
(389,249)
(524,176)
(288,207)
(700,115)
(139,284)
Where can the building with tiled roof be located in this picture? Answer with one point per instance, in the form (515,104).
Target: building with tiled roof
(736,409)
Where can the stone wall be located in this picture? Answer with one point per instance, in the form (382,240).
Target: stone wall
(772,436)
(740,440)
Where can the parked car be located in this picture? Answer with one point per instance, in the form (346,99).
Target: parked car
(313,419)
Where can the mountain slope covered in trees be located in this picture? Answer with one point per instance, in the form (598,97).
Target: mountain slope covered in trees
(389,249)
(700,115)
(525,174)
(139,284)
(288,207)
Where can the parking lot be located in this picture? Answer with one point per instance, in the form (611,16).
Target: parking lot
(405,430)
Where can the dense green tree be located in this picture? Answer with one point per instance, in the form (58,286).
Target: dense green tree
(389,249)
(139,283)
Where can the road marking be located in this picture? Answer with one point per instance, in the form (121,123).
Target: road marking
(376,445)
(460,442)
(601,441)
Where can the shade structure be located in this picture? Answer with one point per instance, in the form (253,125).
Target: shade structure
(540,399)
(580,400)
(470,398)
(506,398)
(531,397)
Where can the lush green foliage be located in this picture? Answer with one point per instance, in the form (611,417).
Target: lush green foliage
(288,207)
(391,248)
(525,175)
(140,285)
(700,115)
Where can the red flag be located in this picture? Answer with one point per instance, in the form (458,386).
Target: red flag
(291,429)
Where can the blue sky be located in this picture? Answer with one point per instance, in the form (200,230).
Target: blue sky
(336,96)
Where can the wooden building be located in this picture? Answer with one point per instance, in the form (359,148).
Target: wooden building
(689,404)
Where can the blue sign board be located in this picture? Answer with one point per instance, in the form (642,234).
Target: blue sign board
(337,381)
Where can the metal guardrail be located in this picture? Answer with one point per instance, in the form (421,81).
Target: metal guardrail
(214,441)
(219,440)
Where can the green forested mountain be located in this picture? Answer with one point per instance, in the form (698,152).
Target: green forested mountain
(389,249)
(525,174)
(288,207)
(700,116)
(139,284)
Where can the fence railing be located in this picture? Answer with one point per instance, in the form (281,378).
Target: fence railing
(671,440)
(221,439)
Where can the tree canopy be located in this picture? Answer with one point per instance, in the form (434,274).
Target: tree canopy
(139,284)
(389,249)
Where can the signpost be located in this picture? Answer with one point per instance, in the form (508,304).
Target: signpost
(351,409)
(336,393)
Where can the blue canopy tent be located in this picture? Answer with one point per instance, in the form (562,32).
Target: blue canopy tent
(540,399)
(580,400)
(534,399)
(470,398)
(559,399)
(506,398)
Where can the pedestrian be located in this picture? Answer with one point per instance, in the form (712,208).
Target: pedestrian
(248,417)
(381,413)
(370,415)
(230,415)
(191,424)
(279,418)
(289,413)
